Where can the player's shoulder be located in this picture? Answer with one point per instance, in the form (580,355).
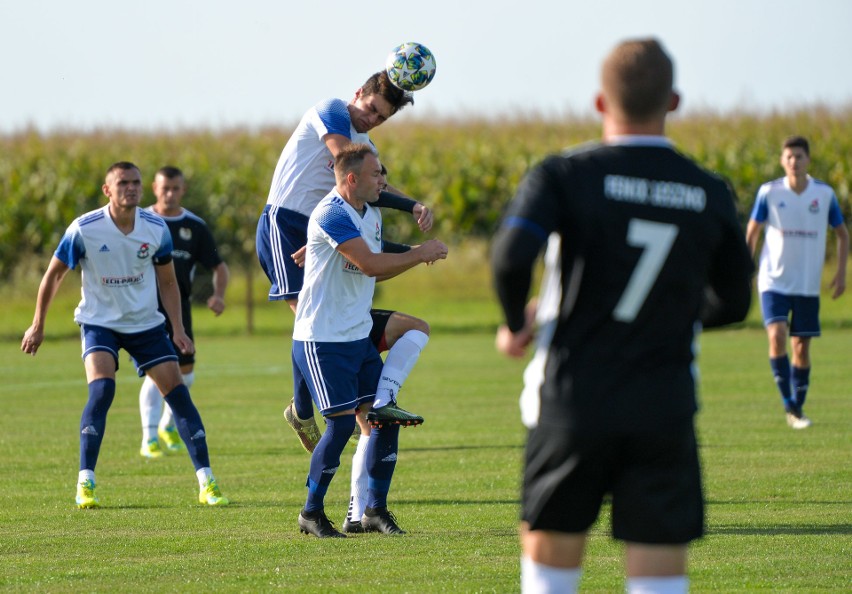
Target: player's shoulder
(93,216)
(151,218)
(191,217)
(331,107)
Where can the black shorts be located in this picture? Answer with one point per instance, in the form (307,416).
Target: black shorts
(186,314)
(654,480)
(377,333)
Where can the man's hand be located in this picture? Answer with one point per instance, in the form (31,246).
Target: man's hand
(423,216)
(432,250)
(838,284)
(183,342)
(33,338)
(216,304)
(299,256)
(513,344)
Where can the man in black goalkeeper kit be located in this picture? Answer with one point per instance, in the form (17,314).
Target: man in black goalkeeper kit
(644,247)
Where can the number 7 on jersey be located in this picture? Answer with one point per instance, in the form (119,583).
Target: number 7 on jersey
(656,241)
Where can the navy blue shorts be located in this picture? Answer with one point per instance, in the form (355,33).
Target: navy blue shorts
(147,349)
(339,375)
(280,233)
(800,312)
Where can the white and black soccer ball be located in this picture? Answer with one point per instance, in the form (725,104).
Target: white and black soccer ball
(410,66)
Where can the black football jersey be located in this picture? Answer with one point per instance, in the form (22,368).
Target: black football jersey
(650,245)
(193,243)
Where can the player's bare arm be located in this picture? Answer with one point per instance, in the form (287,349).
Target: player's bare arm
(383,266)
(50,283)
(838,283)
(170,296)
(221,276)
(753,230)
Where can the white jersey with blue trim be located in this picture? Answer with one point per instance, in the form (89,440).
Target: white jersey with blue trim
(793,253)
(335,301)
(305,170)
(119,284)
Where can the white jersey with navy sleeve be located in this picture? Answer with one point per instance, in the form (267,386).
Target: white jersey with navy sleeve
(334,304)
(119,284)
(305,170)
(793,253)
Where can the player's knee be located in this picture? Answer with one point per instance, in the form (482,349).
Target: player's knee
(418,324)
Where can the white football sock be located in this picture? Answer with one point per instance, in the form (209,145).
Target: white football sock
(86,475)
(204,475)
(150,408)
(358,492)
(544,579)
(398,364)
(672,584)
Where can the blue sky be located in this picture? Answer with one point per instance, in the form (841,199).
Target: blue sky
(165,64)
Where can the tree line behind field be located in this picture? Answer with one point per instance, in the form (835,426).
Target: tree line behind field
(465,169)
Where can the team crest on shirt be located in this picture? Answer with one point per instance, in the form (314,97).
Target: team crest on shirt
(378,232)
(144,251)
(185,233)
(814,206)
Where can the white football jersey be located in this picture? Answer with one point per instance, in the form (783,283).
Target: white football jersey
(335,301)
(305,170)
(119,282)
(793,253)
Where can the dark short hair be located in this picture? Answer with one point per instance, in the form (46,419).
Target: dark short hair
(169,172)
(638,77)
(380,84)
(350,159)
(122,166)
(797,142)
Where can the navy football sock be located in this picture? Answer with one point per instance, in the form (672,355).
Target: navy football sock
(93,421)
(381,462)
(326,459)
(189,426)
(800,380)
(781,372)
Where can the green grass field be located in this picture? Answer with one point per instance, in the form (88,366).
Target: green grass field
(779,501)
(779,515)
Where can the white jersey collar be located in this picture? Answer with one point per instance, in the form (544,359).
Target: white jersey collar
(640,140)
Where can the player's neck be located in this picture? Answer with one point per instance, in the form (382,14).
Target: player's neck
(798,183)
(613,128)
(124,218)
(165,211)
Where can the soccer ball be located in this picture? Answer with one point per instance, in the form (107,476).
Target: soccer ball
(410,66)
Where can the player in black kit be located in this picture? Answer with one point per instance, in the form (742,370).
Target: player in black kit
(193,243)
(644,245)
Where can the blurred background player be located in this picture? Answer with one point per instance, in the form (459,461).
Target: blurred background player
(332,351)
(125,254)
(796,211)
(303,176)
(643,244)
(193,242)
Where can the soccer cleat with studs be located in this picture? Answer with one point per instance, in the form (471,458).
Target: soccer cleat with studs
(320,526)
(151,449)
(380,519)
(306,430)
(210,494)
(353,526)
(86,498)
(797,420)
(391,414)
(170,438)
